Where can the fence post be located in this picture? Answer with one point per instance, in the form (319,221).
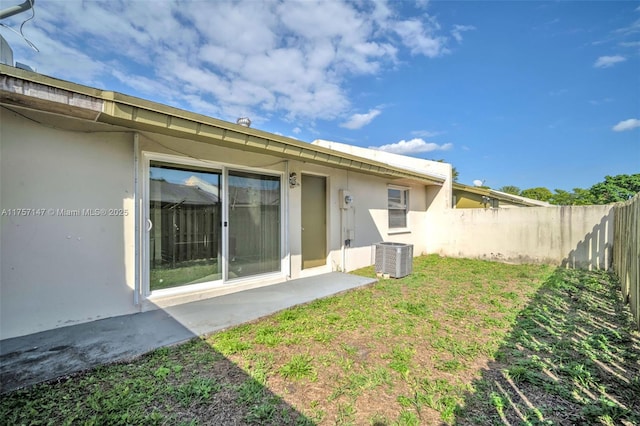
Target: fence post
(626,252)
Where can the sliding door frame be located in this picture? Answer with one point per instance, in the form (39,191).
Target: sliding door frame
(179,161)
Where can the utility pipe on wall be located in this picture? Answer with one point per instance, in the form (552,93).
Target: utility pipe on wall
(344,254)
(14,10)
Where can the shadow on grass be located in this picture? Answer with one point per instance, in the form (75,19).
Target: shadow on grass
(572,357)
(190,384)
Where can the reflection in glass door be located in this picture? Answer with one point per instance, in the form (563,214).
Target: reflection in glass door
(185,239)
(254,224)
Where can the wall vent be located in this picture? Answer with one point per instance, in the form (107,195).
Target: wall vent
(244,121)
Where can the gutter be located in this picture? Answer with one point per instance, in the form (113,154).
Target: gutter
(519,199)
(35,91)
(528,202)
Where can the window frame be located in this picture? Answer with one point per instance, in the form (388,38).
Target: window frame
(404,202)
(146,158)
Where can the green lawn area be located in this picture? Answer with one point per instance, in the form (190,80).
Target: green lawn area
(463,342)
(184,273)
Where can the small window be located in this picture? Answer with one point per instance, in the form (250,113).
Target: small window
(398,206)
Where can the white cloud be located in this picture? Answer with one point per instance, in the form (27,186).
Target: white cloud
(624,125)
(297,130)
(558,92)
(631,29)
(426,133)
(358,121)
(421,39)
(413,146)
(291,58)
(608,61)
(457,31)
(630,44)
(600,101)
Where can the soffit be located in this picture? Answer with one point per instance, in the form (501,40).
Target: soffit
(41,93)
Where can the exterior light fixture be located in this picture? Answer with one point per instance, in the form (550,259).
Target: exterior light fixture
(293,180)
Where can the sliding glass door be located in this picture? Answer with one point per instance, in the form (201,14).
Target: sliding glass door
(202,230)
(254,224)
(185,238)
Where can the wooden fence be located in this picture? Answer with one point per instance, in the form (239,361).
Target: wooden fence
(626,252)
(184,233)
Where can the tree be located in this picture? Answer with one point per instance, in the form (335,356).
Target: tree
(454,171)
(454,174)
(578,197)
(612,190)
(582,197)
(615,188)
(510,189)
(562,198)
(539,193)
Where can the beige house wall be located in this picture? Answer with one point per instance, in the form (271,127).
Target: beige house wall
(365,223)
(572,236)
(427,202)
(58,265)
(61,266)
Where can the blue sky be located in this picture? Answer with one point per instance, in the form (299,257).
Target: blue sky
(522,93)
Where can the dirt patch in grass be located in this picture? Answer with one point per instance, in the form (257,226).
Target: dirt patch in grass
(457,342)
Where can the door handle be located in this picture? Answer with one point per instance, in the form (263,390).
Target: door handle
(149,225)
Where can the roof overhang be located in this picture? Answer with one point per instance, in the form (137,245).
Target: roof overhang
(472,189)
(517,199)
(37,92)
(502,196)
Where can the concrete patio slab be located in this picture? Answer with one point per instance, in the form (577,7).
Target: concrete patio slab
(47,355)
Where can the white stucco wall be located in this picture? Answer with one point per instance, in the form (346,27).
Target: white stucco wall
(61,267)
(427,202)
(367,218)
(572,236)
(57,270)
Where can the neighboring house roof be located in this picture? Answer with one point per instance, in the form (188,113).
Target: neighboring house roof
(517,199)
(179,194)
(419,165)
(501,196)
(21,88)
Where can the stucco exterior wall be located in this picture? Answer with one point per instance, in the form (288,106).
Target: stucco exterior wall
(367,219)
(572,236)
(427,201)
(62,266)
(440,195)
(59,265)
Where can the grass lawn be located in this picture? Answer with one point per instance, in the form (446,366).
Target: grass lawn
(459,341)
(184,273)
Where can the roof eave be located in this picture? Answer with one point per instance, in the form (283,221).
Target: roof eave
(35,91)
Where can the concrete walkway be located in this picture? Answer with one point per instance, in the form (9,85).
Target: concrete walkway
(55,353)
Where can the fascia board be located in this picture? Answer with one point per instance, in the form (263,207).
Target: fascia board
(140,114)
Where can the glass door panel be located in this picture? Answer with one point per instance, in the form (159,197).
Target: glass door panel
(254,224)
(185,239)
